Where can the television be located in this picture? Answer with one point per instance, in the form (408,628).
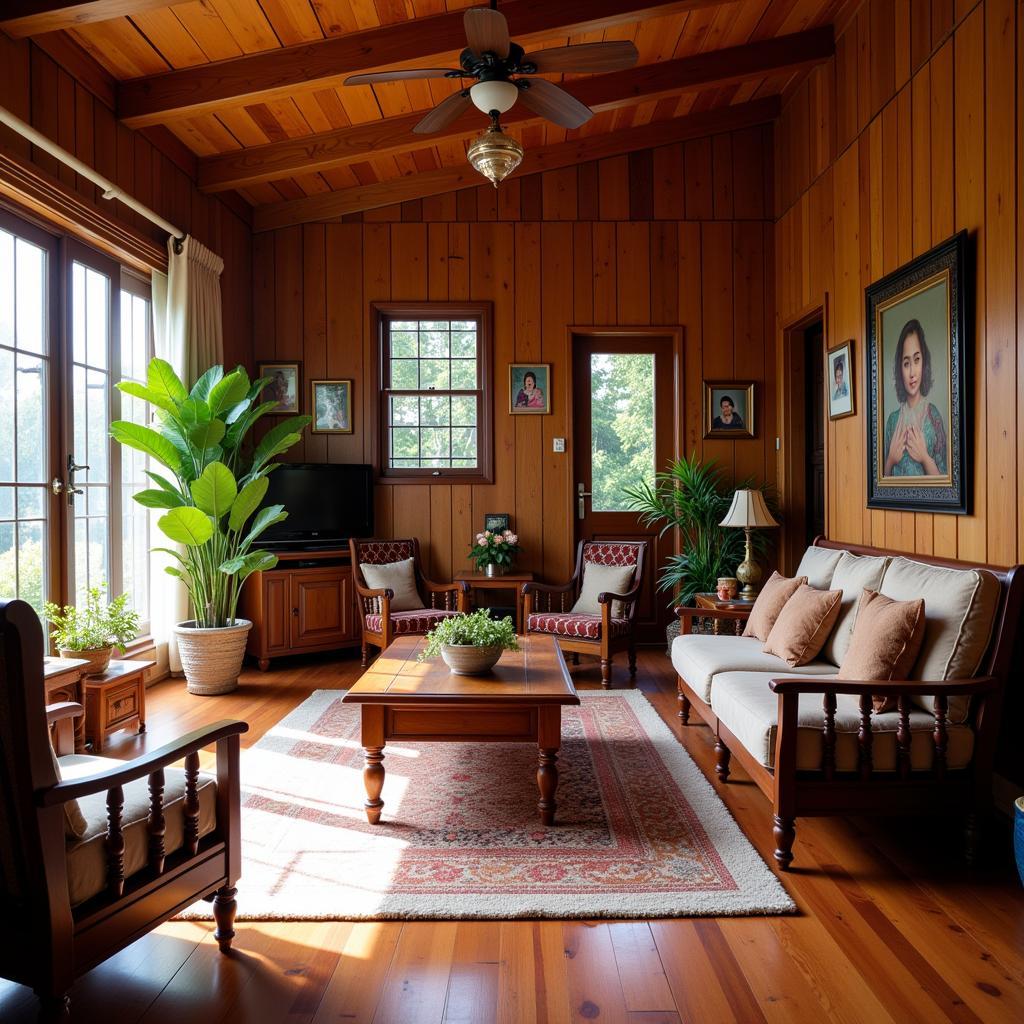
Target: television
(326,504)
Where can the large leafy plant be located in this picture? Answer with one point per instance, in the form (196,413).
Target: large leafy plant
(215,482)
(693,497)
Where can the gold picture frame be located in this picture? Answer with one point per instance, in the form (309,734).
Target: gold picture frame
(285,386)
(729,410)
(331,406)
(840,381)
(526,400)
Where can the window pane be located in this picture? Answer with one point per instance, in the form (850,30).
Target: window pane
(97,315)
(6,502)
(405,411)
(404,375)
(435,443)
(31,564)
(434,345)
(463,374)
(7,409)
(622,426)
(30,301)
(403,344)
(405,443)
(464,345)
(464,443)
(434,374)
(435,411)
(463,412)
(30,409)
(7,291)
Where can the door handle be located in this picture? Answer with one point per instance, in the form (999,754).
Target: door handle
(581,495)
(68,487)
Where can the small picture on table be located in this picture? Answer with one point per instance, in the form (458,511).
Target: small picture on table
(496,522)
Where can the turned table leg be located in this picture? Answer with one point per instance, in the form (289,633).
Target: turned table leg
(373,765)
(549,740)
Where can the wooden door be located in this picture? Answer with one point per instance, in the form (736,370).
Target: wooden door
(625,389)
(321,608)
(814,379)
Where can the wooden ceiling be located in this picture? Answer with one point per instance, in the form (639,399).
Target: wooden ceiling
(253,87)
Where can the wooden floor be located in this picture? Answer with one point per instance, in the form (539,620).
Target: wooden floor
(891,928)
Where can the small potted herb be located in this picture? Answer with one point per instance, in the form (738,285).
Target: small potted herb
(494,551)
(92,631)
(471,644)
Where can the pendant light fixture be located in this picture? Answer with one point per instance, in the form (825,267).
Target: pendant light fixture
(494,154)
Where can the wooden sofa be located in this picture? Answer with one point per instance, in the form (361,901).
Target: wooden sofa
(812,742)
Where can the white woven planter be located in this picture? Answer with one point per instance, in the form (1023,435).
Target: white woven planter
(212,658)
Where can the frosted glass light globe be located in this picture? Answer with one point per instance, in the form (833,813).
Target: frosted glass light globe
(488,96)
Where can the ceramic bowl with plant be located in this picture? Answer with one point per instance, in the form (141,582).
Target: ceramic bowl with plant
(471,644)
(93,630)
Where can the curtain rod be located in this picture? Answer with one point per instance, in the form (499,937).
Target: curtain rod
(108,188)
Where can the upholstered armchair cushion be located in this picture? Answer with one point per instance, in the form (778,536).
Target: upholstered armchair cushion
(818,565)
(699,658)
(574,624)
(599,579)
(87,857)
(74,820)
(397,576)
(747,707)
(416,620)
(853,574)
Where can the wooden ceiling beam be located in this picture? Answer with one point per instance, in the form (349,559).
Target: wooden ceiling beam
(22,18)
(327,62)
(332,205)
(393,135)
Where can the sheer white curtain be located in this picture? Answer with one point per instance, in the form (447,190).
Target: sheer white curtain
(189,333)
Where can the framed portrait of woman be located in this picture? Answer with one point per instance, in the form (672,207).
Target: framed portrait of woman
(919,391)
(284,387)
(729,409)
(529,388)
(839,380)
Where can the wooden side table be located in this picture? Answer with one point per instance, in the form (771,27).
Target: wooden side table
(509,581)
(115,700)
(62,680)
(713,602)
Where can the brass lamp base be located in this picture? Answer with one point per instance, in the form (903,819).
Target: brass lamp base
(748,572)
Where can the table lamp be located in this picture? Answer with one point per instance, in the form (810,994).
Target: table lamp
(748,511)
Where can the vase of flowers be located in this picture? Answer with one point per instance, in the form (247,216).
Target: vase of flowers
(470,644)
(494,551)
(92,631)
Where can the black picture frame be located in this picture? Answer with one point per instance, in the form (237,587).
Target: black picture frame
(947,487)
(496,522)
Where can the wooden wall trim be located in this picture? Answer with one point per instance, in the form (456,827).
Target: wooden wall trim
(34,17)
(46,197)
(548,158)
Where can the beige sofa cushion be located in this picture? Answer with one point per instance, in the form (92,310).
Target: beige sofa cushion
(603,579)
(774,594)
(87,857)
(747,707)
(853,574)
(818,565)
(698,658)
(397,576)
(960,610)
(74,820)
(803,625)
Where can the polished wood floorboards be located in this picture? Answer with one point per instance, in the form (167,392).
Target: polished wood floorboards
(892,928)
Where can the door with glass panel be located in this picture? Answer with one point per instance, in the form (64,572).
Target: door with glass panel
(623,412)
(30,551)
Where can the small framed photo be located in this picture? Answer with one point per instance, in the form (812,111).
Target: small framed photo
(529,388)
(331,406)
(496,521)
(729,409)
(284,388)
(839,380)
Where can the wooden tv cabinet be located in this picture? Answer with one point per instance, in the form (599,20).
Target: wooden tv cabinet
(306,603)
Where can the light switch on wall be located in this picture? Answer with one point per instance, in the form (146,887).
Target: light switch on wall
(558,444)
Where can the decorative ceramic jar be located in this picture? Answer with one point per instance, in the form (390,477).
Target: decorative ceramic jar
(465,660)
(727,588)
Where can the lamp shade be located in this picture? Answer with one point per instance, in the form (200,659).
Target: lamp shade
(748,509)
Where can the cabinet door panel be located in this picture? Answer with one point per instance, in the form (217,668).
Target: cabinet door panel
(276,613)
(321,608)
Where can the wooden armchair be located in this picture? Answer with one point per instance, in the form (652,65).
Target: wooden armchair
(380,624)
(156,838)
(548,608)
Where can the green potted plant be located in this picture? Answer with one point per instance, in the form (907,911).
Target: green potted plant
(471,644)
(494,551)
(693,498)
(92,631)
(212,493)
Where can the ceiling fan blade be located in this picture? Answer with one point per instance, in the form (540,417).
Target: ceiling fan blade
(614,56)
(444,113)
(487,31)
(554,103)
(398,76)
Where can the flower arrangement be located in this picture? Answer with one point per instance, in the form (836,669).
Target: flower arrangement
(497,547)
(477,629)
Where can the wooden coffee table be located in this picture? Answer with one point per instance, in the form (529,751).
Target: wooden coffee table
(520,701)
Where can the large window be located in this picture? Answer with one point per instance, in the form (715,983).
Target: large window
(435,394)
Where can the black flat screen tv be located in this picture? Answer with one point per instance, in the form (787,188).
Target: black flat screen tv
(326,504)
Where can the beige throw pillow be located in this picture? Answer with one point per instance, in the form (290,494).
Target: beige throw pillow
(803,625)
(397,576)
(74,820)
(774,594)
(601,579)
(886,640)
(853,575)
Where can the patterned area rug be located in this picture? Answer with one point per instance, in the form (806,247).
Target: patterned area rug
(640,832)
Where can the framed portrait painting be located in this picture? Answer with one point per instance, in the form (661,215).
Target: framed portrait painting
(919,391)
(331,407)
(284,387)
(529,388)
(839,380)
(729,409)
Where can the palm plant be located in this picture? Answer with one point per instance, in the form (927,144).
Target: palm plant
(693,498)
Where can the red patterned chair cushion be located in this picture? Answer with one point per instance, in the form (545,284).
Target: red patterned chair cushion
(584,627)
(612,552)
(417,621)
(381,552)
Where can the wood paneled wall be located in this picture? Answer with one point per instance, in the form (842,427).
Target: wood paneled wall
(677,235)
(40,91)
(911,133)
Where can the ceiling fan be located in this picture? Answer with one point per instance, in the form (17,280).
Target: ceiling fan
(493,59)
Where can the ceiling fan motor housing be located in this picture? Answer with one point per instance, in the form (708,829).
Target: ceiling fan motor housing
(488,66)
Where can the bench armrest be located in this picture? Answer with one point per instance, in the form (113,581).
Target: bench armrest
(868,687)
